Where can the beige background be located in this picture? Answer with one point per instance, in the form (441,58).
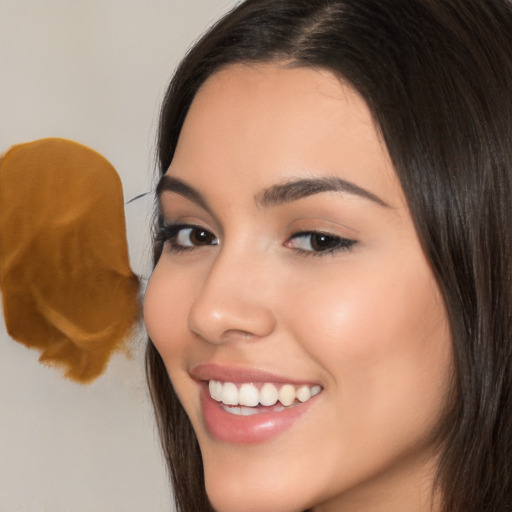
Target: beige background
(93,71)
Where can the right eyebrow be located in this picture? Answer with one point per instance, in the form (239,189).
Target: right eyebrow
(171,184)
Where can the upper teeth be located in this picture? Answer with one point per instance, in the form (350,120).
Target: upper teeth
(267,394)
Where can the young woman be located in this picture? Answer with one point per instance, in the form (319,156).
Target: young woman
(330,311)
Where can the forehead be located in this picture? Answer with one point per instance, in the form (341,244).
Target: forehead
(266,123)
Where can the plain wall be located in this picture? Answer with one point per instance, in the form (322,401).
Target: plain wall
(93,71)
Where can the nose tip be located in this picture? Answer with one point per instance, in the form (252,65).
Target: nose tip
(225,314)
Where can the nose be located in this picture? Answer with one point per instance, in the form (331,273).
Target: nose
(233,303)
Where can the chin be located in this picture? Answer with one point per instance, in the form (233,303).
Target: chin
(255,488)
(237,497)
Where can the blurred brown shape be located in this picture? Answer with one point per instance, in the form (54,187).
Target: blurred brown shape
(67,286)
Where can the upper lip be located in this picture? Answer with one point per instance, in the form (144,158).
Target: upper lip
(240,374)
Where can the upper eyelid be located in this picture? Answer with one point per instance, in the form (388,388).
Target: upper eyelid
(170,222)
(179,226)
(334,230)
(302,232)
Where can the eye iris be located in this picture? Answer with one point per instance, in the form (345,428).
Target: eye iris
(201,237)
(320,242)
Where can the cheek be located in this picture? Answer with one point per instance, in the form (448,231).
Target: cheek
(380,332)
(166,308)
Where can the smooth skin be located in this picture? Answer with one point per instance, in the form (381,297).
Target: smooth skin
(357,311)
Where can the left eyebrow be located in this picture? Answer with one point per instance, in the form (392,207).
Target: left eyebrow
(299,189)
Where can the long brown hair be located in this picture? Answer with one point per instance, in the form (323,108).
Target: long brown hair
(437,77)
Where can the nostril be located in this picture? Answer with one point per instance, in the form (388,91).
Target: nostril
(234,322)
(232,334)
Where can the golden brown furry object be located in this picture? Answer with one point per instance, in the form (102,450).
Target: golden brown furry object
(67,286)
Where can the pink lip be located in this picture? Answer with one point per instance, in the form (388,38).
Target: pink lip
(239,374)
(256,428)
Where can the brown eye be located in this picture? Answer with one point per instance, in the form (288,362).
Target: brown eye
(192,236)
(200,236)
(318,243)
(322,242)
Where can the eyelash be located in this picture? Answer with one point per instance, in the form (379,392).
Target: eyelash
(169,234)
(335,243)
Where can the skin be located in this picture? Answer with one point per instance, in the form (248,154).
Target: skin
(368,323)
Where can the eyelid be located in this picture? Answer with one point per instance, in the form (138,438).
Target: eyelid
(321,224)
(185,220)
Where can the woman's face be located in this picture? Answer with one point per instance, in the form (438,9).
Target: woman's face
(292,271)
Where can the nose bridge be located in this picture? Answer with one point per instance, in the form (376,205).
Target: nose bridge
(233,301)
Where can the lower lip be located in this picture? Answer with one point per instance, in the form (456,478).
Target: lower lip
(252,429)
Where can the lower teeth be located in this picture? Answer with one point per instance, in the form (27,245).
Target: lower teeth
(240,410)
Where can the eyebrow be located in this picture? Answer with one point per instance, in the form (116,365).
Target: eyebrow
(276,194)
(299,189)
(171,184)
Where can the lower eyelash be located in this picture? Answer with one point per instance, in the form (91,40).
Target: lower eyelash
(327,252)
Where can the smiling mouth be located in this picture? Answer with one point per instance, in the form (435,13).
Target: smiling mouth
(246,399)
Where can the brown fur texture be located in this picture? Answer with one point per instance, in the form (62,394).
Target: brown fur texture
(67,286)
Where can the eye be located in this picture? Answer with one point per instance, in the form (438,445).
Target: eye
(194,236)
(319,243)
(182,237)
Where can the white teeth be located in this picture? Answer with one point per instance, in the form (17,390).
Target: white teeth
(211,388)
(303,394)
(287,395)
(218,391)
(215,388)
(268,394)
(248,395)
(315,390)
(229,394)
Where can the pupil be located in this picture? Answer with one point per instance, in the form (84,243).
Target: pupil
(201,237)
(322,242)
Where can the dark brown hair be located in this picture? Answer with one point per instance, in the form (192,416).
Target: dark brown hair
(437,77)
